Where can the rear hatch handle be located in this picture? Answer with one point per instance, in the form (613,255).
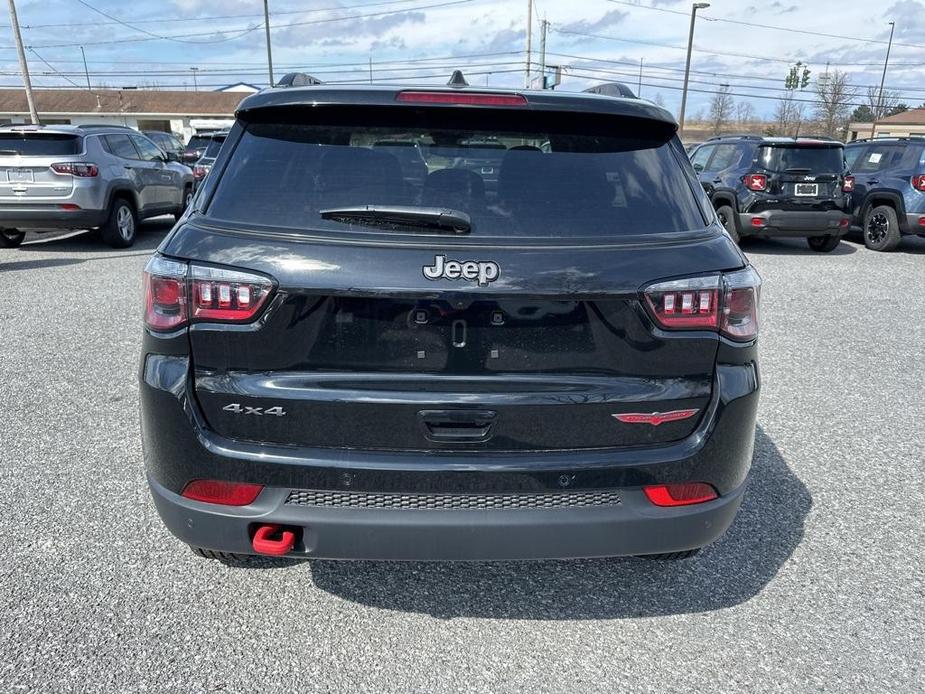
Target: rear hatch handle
(457,426)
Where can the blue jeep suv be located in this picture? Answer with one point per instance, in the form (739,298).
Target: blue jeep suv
(888,200)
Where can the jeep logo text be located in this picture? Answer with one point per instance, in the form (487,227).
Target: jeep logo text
(483,272)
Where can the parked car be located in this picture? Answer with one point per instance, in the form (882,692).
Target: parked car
(67,177)
(195,147)
(410,158)
(888,200)
(777,186)
(168,142)
(204,164)
(565,366)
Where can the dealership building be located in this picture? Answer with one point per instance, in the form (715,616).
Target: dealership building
(180,112)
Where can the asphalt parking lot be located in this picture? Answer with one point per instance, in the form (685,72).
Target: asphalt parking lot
(818,587)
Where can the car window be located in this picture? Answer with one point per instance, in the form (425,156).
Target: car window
(879,157)
(148,150)
(701,157)
(198,142)
(215,144)
(38,144)
(725,156)
(121,146)
(803,158)
(588,184)
(852,153)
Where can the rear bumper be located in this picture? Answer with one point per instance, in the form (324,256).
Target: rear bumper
(49,217)
(631,527)
(797,224)
(915,223)
(179,447)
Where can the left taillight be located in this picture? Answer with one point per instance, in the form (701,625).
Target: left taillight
(727,303)
(79,169)
(177,294)
(199,172)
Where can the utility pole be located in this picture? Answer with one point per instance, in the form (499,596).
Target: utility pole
(86,71)
(687,66)
(370,69)
(639,87)
(23,66)
(194,70)
(544,25)
(266,25)
(529,42)
(886,62)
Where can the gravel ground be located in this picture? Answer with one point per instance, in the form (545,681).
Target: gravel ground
(818,586)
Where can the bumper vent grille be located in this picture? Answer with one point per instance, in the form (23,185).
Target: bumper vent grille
(452,502)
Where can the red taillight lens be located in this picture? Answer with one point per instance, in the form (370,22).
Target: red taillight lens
(199,172)
(918,182)
(462,98)
(227,295)
(848,184)
(176,294)
(76,169)
(68,207)
(680,494)
(224,493)
(727,303)
(756,182)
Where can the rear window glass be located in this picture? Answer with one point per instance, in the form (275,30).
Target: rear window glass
(530,184)
(215,144)
(808,159)
(35,144)
(198,142)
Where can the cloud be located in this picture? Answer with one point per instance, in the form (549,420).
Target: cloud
(607,21)
(348,31)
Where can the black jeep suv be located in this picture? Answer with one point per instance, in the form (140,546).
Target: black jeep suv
(776,186)
(888,200)
(344,361)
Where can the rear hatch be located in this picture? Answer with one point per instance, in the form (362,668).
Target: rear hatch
(805,175)
(523,332)
(25,165)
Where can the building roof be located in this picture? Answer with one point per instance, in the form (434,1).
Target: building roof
(121,101)
(914,116)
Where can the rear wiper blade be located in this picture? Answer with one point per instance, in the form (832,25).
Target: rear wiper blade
(391,216)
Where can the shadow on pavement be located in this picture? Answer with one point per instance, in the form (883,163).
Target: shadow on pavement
(151,233)
(38,264)
(790,247)
(767,530)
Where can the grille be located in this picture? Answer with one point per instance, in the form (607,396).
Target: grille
(474,502)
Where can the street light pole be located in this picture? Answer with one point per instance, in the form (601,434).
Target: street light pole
(886,62)
(687,66)
(529,43)
(86,70)
(23,65)
(266,25)
(194,70)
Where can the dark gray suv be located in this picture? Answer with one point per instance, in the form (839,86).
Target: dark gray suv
(68,177)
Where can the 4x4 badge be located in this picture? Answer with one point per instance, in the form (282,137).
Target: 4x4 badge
(481,271)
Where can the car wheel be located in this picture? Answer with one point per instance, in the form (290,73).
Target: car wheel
(824,244)
(11,238)
(726,216)
(671,556)
(227,557)
(881,229)
(187,200)
(120,229)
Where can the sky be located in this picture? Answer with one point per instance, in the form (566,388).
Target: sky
(748,45)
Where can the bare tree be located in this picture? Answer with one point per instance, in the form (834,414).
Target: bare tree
(834,95)
(658,100)
(745,113)
(722,107)
(788,115)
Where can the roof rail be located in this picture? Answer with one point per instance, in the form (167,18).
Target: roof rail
(735,137)
(888,137)
(94,126)
(297,79)
(612,89)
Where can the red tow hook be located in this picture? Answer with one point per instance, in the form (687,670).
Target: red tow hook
(273,540)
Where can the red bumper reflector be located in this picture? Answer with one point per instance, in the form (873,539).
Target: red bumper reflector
(273,540)
(655,418)
(843,224)
(680,494)
(462,98)
(757,222)
(68,207)
(922,221)
(219,492)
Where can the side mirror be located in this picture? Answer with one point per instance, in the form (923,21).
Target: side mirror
(172,156)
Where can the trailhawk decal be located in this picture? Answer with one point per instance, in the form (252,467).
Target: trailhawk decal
(481,271)
(655,418)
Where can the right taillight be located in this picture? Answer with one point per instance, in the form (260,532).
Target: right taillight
(177,294)
(199,172)
(755,181)
(918,182)
(727,303)
(847,185)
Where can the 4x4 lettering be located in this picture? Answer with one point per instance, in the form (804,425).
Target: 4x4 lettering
(237,408)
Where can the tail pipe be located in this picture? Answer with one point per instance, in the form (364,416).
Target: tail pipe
(273,540)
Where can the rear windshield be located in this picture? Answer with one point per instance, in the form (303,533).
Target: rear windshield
(39,144)
(531,184)
(198,142)
(215,144)
(802,159)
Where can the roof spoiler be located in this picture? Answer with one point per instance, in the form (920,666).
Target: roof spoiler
(297,79)
(612,89)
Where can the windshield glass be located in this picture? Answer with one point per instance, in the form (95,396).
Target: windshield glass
(39,144)
(531,184)
(809,159)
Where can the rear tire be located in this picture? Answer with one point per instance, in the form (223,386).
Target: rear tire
(187,199)
(823,244)
(120,229)
(727,218)
(881,229)
(11,238)
(671,556)
(224,557)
